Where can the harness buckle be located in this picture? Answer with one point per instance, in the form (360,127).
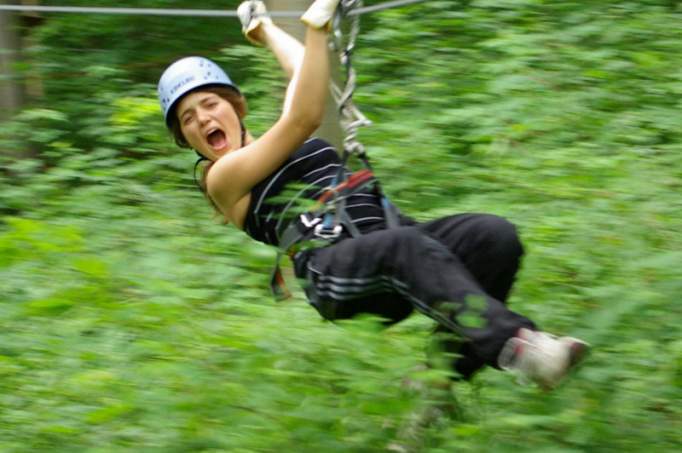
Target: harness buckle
(309,223)
(328,233)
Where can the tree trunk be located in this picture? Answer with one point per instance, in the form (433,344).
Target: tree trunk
(11,93)
(32,82)
(330,129)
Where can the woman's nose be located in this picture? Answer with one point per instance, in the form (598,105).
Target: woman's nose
(202,116)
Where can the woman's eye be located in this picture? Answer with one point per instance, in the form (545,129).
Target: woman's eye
(211,105)
(187,120)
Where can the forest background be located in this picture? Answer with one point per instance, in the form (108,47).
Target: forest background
(132,320)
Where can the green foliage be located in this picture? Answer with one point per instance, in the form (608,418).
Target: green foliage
(133,322)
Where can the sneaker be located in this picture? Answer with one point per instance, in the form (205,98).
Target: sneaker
(540,357)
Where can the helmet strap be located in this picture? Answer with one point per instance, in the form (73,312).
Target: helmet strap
(194,172)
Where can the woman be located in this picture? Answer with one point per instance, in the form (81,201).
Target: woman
(458,270)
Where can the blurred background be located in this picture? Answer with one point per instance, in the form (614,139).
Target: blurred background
(132,320)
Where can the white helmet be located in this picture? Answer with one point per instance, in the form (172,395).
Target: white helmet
(185,75)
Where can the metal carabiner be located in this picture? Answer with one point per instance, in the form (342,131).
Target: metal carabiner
(325,233)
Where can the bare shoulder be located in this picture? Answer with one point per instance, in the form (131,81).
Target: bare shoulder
(220,185)
(234,174)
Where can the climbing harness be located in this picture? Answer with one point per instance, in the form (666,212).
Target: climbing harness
(329,219)
(310,231)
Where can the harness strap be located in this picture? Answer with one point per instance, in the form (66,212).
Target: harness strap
(277,284)
(390,213)
(311,225)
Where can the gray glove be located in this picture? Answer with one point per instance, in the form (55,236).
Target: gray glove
(252,14)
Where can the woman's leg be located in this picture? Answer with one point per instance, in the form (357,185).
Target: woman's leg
(407,262)
(489,247)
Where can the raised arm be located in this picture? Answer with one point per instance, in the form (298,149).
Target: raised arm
(287,49)
(260,30)
(233,175)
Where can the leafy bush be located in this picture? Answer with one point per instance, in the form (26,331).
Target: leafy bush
(132,322)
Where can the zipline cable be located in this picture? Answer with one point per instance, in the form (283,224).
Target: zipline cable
(382,6)
(183,12)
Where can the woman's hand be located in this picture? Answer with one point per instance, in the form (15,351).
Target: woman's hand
(320,14)
(254,18)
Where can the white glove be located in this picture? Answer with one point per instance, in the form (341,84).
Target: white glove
(320,14)
(252,14)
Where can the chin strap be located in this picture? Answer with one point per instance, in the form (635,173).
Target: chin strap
(194,172)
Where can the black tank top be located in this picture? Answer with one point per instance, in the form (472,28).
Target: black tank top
(294,187)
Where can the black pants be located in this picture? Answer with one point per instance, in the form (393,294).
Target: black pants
(457,270)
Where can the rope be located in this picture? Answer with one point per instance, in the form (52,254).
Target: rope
(344,43)
(184,12)
(351,117)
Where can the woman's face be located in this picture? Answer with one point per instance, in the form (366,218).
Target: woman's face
(209,123)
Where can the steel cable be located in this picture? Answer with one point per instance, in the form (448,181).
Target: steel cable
(183,12)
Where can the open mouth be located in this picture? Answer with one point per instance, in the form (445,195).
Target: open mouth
(217,139)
